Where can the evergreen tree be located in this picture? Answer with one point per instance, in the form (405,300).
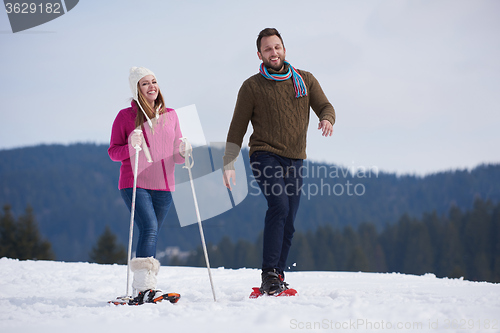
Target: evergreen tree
(495,240)
(246,255)
(449,261)
(30,244)
(323,249)
(419,251)
(8,244)
(477,242)
(389,242)
(371,249)
(357,261)
(301,252)
(345,243)
(223,254)
(107,250)
(21,239)
(197,258)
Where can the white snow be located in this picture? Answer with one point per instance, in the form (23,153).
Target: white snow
(45,296)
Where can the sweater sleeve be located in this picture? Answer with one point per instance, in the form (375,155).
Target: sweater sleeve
(319,102)
(239,125)
(118,147)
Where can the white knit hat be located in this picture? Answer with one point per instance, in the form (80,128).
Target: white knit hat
(137,73)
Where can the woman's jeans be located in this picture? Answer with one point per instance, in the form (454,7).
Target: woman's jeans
(280,180)
(151,208)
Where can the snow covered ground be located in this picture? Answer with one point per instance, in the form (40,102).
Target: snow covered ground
(44,296)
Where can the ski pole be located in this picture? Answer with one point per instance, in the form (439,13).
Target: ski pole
(188,164)
(132,212)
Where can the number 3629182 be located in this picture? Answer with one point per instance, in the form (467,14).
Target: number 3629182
(32,8)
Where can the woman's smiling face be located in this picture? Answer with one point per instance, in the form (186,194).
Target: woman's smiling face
(149,88)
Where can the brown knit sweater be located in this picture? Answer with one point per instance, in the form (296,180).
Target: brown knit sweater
(279,119)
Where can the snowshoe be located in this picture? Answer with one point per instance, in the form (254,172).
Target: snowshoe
(273,284)
(147,296)
(256,293)
(122,300)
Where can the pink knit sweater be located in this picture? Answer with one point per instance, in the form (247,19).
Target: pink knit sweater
(163,144)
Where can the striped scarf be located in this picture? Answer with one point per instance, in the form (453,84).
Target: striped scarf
(298,81)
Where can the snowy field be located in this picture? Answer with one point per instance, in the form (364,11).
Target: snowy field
(44,296)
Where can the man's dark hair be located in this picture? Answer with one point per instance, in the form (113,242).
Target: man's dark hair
(266,33)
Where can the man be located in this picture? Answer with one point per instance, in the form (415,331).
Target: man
(277,102)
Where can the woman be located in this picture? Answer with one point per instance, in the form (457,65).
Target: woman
(162,148)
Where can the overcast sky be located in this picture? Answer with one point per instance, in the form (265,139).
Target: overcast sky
(415,83)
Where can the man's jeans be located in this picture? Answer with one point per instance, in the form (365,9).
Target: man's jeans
(280,181)
(151,208)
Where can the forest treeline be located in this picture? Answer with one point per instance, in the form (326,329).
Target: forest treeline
(459,244)
(73,190)
(20,237)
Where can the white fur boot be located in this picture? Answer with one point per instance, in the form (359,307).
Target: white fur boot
(145,271)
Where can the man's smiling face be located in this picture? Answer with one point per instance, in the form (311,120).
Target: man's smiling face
(272,52)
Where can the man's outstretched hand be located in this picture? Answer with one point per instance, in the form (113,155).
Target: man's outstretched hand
(327,127)
(228,174)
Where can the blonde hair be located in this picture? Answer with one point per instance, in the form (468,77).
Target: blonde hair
(159,103)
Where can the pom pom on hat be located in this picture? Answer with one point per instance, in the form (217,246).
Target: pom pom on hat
(137,73)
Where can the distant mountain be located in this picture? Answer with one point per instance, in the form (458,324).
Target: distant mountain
(74,194)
